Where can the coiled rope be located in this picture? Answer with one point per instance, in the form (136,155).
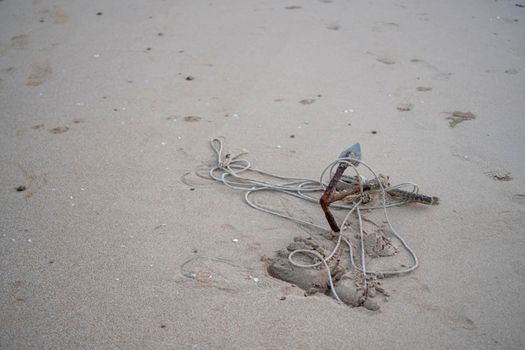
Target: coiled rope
(229,171)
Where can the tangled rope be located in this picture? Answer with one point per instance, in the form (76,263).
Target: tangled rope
(230,172)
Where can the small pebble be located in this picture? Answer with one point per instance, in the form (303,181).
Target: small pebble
(21,188)
(189,78)
(99,13)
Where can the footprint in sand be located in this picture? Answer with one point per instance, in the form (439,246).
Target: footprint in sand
(60,16)
(9,70)
(33,181)
(381,27)
(192,119)
(221,274)
(20,42)
(512,71)
(494,172)
(457,117)
(405,107)
(447,315)
(499,174)
(438,73)
(59,130)
(386,60)
(40,73)
(307,101)
(197,178)
(518,267)
(519,198)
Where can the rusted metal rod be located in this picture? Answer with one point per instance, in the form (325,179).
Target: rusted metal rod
(326,198)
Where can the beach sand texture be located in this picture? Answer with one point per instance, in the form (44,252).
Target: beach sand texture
(106,113)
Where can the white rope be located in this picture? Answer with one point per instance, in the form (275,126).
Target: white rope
(229,173)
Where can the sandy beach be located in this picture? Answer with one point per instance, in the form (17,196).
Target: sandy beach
(112,238)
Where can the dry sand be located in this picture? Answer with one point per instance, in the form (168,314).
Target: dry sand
(93,100)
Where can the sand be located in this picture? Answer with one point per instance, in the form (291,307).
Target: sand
(101,125)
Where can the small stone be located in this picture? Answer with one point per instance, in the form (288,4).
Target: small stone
(189,78)
(21,188)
